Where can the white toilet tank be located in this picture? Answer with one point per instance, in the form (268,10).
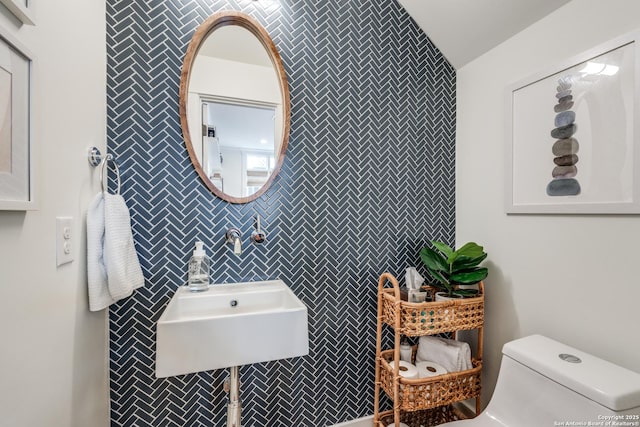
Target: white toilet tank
(545,383)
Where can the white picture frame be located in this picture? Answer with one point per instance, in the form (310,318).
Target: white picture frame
(572,135)
(17,164)
(21,9)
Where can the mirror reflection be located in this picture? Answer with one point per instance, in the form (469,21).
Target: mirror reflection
(238,151)
(236,110)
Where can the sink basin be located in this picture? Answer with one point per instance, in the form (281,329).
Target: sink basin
(230,325)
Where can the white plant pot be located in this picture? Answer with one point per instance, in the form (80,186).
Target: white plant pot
(442,296)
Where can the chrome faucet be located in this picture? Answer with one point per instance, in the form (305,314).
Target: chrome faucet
(234,237)
(258,236)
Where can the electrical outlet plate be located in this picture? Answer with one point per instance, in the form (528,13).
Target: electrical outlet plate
(64,240)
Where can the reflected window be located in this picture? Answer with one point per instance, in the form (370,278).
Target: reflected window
(260,162)
(259,167)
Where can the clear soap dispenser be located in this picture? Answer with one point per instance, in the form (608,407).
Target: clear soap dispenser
(199,269)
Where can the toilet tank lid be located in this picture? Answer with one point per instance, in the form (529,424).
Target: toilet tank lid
(610,385)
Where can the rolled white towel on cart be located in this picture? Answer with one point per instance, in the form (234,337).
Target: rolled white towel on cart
(452,355)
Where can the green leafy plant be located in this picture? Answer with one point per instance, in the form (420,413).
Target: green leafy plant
(449,267)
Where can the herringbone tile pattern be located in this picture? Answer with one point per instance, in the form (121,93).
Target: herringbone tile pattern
(368,179)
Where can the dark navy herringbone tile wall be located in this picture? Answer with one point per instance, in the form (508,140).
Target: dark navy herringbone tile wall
(368,180)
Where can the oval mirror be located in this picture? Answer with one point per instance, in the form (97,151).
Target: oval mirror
(234,106)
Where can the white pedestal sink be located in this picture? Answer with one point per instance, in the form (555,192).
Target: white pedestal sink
(230,325)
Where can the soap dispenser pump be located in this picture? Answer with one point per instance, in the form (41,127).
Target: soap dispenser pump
(198,280)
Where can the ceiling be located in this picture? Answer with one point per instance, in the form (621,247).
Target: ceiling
(465,29)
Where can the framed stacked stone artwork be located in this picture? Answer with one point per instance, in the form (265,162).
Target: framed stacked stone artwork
(572,135)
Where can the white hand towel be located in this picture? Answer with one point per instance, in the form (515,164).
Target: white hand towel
(453,355)
(121,260)
(113,269)
(465,356)
(99,296)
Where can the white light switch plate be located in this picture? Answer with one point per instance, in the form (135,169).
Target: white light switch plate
(64,240)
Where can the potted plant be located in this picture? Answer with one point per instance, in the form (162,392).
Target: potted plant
(450,268)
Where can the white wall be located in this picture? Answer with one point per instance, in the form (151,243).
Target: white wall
(572,278)
(53,357)
(234,80)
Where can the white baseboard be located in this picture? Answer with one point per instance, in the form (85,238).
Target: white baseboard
(467,407)
(360,422)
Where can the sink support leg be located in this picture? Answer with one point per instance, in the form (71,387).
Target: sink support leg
(234,407)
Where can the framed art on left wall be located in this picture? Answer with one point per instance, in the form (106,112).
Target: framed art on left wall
(17,168)
(21,9)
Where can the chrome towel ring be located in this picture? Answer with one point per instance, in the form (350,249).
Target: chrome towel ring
(104,177)
(96,159)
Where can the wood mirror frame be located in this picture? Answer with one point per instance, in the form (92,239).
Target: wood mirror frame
(214,22)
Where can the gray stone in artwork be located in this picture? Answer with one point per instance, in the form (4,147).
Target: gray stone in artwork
(564,83)
(563,93)
(563,106)
(563,187)
(565,118)
(568,160)
(564,131)
(564,99)
(564,147)
(564,171)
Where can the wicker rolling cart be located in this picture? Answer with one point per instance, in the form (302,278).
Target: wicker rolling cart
(424,401)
